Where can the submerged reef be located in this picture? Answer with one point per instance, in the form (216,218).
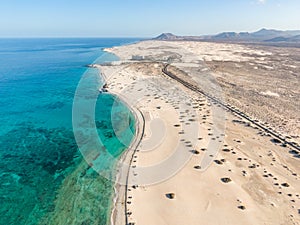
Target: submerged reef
(34,162)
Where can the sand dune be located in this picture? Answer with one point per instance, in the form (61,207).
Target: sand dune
(252,178)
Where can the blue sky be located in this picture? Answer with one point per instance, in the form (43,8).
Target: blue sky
(142,18)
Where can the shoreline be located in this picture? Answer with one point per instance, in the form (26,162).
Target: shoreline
(126,157)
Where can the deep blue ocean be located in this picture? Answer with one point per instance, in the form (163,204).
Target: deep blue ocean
(38,152)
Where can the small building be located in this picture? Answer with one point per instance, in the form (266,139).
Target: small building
(137,57)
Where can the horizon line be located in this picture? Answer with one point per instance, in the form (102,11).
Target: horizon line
(28,37)
(145,37)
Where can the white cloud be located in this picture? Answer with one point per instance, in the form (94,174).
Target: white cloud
(262,1)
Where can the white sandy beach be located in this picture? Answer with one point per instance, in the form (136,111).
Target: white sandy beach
(182,128)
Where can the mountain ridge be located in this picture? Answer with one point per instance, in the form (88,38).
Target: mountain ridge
(262,35)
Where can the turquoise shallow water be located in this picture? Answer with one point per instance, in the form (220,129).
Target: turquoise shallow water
(38,79)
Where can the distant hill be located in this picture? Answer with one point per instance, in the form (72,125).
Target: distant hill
(265,32)
(285,39)
(295,38)
(277,39)
(231,35)
(167,36)
(263,35)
